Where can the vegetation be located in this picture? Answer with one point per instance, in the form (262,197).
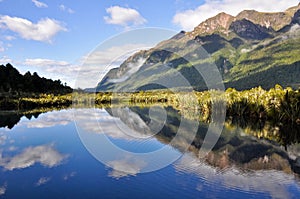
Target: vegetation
(276,104)
(279,107)
(35,101)
(15,84)
(30,91)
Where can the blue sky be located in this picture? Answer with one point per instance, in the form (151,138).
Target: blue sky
(53,37)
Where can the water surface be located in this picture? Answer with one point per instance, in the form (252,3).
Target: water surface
(43,156)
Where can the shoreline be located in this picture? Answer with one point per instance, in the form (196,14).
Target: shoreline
(277,104)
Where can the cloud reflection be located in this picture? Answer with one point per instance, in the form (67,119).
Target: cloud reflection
(3,139)
(43,154)
(43,181)
(68,176)
(51,119)
(273,182)
(131,165)
(99,121)
(3,189)
(294,151)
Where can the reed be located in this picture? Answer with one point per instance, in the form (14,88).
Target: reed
(277,104)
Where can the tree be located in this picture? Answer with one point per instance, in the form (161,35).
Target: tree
(12,80)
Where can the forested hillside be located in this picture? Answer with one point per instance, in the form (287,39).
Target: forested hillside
(12,81)
(249,50)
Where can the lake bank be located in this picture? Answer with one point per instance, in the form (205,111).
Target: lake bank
(277,104)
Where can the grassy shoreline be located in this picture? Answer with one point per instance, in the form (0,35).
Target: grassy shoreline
(277,104)
(32,101)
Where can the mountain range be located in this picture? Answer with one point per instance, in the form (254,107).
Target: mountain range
(251,49)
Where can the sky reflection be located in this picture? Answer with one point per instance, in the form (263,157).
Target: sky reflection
(46,155)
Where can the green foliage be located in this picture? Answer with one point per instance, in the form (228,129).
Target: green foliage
(35,101)
(276,58)
(276,104)
(14,83)
(243,63)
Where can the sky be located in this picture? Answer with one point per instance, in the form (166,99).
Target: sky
(71,40)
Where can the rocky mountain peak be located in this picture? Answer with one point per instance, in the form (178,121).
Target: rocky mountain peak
(248,30)
(291,11)
(220,23)
(270,20)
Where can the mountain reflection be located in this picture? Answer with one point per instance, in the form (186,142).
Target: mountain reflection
(234,148)
(246,145)
(271,181)
(245,160)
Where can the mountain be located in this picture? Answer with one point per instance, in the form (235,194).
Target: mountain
(250,49)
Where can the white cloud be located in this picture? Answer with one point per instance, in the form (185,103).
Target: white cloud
(66,9)
(113,54)
(9,37)
(133,68)
(98,63)
(55,69)
(45,62)
(43,154)
(89,71)
(124,16)
(189,19)
(2,49)
(39,4)
(5,60)
(44,30)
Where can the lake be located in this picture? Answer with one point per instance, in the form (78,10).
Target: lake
(123,152)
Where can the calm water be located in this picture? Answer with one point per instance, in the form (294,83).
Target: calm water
(48,156)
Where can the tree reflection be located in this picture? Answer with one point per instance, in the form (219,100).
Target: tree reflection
(8,119)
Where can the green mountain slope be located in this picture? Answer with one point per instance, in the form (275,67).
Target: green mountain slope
(251,49)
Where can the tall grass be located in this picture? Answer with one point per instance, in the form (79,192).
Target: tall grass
(277,104)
